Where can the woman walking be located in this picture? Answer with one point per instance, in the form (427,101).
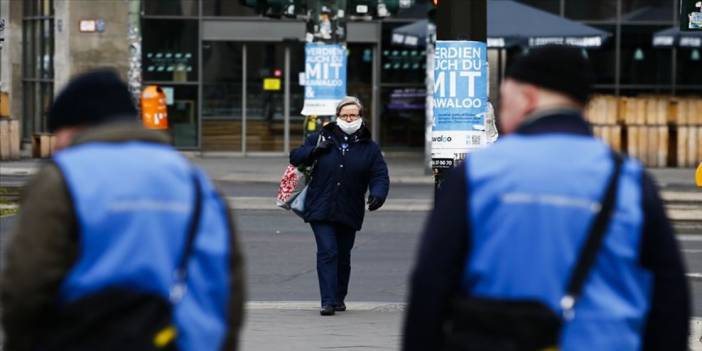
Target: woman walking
(348,164)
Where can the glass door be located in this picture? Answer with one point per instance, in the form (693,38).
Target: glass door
(222,89)
(265,97)
(252,97)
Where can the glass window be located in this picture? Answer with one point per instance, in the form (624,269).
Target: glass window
(297,94)
(640,62)
(222,94)
(182,114)
(226,8)
(169,50)
(264,108)
(418,11)
(553,6)
(403,116)
(37,64)
(591,10)
(28,109)
(648,10)
(689,62)
(359,77)
(398,63)
(28,57)
(170,7)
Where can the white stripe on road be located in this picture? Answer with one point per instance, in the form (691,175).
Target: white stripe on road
(314,305)
(689,237)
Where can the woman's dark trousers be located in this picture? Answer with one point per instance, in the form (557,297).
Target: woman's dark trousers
(334,243)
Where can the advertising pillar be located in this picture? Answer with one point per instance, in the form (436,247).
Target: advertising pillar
(459,102)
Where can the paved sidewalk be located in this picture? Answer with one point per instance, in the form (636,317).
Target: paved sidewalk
(293,326)
(299,327)
(403,168)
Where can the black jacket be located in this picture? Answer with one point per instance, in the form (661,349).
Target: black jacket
(342,176)
(445,245)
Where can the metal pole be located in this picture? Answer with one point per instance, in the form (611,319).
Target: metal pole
(451,23)
(200,79)
(286,106)
(618,50)
(243,99)
(429,80)
(375,126)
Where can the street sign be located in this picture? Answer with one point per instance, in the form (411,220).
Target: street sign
(460,98)
(325,78)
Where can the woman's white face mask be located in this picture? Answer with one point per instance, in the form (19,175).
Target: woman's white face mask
(349,127)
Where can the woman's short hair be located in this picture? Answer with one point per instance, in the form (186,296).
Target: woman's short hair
(349,100)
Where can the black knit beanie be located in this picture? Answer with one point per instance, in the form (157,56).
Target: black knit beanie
(555,67)
(90,99)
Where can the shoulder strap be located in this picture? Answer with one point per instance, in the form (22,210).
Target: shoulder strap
(594,240)
(320,137)
(181,272)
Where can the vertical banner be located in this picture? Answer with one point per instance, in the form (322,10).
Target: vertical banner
(325,78)
(459,101)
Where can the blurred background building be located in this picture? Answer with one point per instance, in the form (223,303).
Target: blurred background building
(212,56)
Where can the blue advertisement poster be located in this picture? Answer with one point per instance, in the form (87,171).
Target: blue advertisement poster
(325,78)
(460,98)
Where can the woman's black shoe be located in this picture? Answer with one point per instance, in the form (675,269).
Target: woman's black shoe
(340,307)
(327,310)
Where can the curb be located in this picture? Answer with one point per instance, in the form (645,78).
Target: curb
(694,341)
(682,196)
(24,171)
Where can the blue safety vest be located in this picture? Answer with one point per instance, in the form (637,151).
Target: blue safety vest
(532,200)
(133,202)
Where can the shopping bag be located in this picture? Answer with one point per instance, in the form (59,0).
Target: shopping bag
(291,184)
(297,205)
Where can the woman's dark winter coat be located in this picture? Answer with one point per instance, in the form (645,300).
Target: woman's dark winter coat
(342,175)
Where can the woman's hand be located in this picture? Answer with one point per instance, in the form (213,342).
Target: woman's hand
(320,149)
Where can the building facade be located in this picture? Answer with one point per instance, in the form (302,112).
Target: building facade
(211,57)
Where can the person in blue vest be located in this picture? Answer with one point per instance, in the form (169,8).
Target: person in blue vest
(109,215)
(508,225)
(348,164)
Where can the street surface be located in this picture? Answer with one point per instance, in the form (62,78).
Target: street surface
(282,284)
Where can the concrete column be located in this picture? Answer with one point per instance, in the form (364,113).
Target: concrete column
(11,59)
(63,30)
(4,57)
(77,52)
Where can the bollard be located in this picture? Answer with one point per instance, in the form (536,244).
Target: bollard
(698,175)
